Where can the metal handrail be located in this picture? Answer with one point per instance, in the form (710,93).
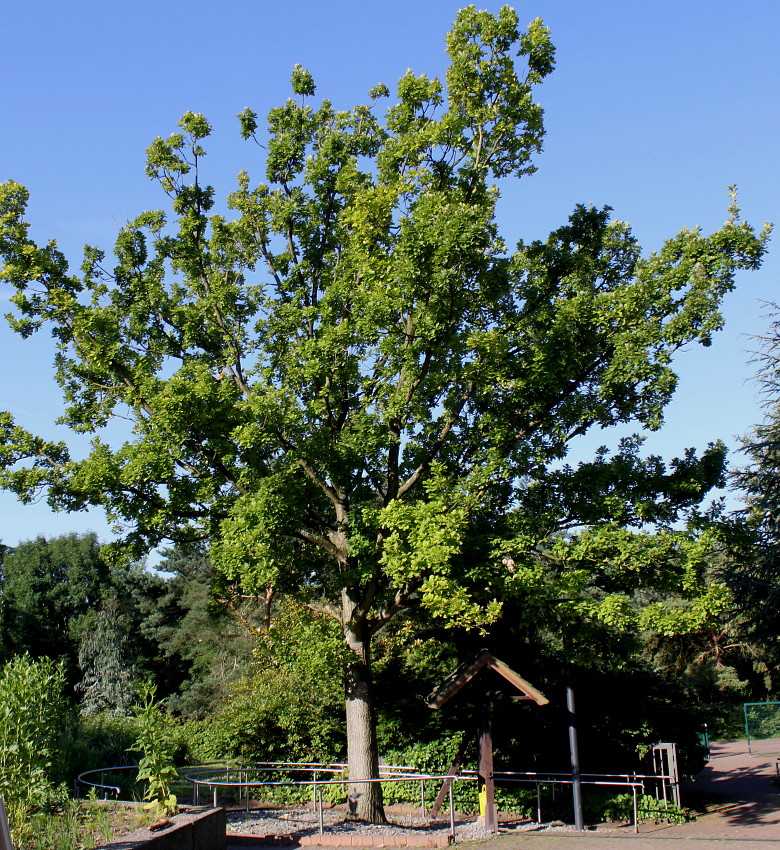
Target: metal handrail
(388,773)
(318,784)
(540,780)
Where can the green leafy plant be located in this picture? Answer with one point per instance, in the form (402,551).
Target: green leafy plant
(33,719)
(648,808)
(33,714)
(154,742)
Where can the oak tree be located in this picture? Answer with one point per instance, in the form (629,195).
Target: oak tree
(331,379)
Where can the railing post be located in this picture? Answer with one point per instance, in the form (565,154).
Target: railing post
(214,788)
(538,804)
(319,806)
(636,812)
(314,789)
(452,815)
(422,796)
(663,788)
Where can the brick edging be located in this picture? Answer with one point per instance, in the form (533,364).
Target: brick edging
(339,840)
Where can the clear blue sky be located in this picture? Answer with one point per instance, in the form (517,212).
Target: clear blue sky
(656,107)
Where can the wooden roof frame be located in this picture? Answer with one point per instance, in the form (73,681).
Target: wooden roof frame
(468,670)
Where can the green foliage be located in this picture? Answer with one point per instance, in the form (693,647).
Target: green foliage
(55,829)
(201,629)
(290,706)
(753,573)
(71,825)
(103,740)
(660,583)
(34,723)
(763,720)
(108,683)
(621,807)
(49,589)
(154,742)
(34,718)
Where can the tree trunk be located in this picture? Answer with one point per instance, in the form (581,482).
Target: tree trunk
(364,800)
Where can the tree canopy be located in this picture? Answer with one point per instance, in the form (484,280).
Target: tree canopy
(49,589)
(335,377)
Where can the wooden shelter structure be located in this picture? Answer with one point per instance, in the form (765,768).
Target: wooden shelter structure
(450,686)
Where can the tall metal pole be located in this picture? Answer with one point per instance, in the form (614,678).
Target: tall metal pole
(576,783)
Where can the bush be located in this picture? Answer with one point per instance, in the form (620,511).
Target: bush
(35,720)
(621,807)
(290,706)
(102,740)
(725,721)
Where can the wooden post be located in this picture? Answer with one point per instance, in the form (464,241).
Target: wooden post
(487,801)
(5,832)
(451,685)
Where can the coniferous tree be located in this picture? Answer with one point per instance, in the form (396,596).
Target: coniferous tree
(755,575)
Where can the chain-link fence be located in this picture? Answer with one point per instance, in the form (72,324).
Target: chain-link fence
(762,727)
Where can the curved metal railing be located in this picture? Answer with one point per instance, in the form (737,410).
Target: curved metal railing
(244,777)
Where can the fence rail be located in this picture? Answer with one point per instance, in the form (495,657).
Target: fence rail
(237,776)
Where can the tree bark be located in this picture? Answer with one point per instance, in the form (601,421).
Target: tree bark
(364,799)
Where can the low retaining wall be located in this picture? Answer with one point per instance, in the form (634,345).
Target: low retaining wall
(195,829)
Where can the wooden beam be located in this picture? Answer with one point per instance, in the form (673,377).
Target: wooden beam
(454,768)
(466,672)
(525,688)
(463,674)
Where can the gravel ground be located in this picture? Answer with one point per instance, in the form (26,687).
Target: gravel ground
(287,821)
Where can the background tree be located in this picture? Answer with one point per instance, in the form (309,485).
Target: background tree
(288,705)
(104,659)
(331,385)
(201,643)
(51,588)
(754,569)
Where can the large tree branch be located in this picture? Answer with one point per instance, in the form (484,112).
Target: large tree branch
(435,447)
(323,542)
(321,483)
(321,607)
(399,602)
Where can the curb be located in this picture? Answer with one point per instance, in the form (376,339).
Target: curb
(338,840)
